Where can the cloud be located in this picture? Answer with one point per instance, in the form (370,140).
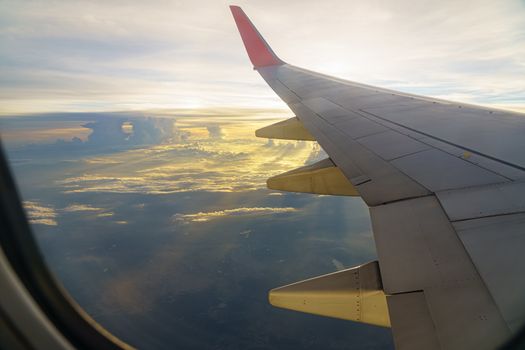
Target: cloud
(85,208)
(215,131)
(107,133)
(40,214)
(145,131)
(81,208)
(237,212)
(316,155)
(102,161)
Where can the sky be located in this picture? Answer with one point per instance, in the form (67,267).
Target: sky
(81,56)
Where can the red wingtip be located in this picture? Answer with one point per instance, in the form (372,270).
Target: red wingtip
(258,50)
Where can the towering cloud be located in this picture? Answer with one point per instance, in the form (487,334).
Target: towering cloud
(144,131)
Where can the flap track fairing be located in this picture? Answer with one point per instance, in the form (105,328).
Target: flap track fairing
(354,294)
(289,129)
(323,177)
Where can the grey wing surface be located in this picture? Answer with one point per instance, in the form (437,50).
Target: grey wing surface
(444,184)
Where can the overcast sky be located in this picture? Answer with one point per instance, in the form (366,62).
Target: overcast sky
(140,55)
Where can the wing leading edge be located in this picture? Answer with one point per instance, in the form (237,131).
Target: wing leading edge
(440,184)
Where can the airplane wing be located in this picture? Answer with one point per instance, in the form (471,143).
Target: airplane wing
(444,183)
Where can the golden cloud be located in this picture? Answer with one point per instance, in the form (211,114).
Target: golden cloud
(207,216)
(40,214)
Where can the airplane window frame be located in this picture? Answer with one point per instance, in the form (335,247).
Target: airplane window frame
(24,256)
